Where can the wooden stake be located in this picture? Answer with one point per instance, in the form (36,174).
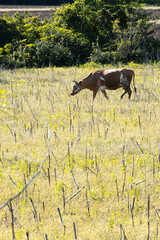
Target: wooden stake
(64,204)
(139,147)
(49,161)
(25,184)
(139,119)
(27,234)
(133,168)
(43,207)
(15,137)
(122,232)
(124,170)
(128,204)
(49,178)
(12,181)
(96,164)
(157,231)
(74,179)
(29,173)
(124,182)
(88,180)
(87,203)
(132,208)
(60,216)
(117,189)
(75,232)
(148,216)
(55,158)
(35,212)
(12,215)
(55,176)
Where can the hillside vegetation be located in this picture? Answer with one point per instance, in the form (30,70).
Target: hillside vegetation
(100,31)
(59,2)
(98,163)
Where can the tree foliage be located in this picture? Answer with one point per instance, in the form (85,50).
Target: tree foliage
(101,31)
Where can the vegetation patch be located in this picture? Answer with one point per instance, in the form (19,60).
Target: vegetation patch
(84,31)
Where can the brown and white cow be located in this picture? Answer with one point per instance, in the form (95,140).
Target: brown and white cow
(106,79)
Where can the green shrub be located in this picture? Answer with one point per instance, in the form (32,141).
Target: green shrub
(8,32)
(98,31)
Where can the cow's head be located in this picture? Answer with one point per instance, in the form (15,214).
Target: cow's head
(77,87)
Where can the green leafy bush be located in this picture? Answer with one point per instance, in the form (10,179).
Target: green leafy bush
(98,31)
(8,32)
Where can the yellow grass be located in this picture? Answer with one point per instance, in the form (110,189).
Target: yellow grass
(110,147)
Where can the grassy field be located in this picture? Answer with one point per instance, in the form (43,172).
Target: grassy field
(106,152)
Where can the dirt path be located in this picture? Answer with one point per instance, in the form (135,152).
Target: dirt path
(41,11)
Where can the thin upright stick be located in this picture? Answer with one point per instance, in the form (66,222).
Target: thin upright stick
(75,232)
(11,210)
(148,215)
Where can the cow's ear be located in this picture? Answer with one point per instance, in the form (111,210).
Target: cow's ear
(80,82)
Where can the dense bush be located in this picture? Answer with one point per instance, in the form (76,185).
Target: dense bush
(8,32)
(150,2)
(79,32)
(132,44)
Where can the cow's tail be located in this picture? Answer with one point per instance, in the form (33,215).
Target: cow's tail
(135,89)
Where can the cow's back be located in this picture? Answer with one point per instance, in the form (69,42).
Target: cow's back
(112,78)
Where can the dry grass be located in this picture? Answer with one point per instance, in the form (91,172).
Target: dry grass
(111,147)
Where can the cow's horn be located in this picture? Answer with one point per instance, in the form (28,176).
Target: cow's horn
(75,82)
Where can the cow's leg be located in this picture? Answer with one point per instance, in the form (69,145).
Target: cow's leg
(104,93)
(127,90)
(129,93)
(124,93)
(94,94)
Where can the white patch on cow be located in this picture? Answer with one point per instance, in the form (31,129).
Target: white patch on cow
(75,84)
(101,88)
(123,80)
(76,90)
(102,78)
